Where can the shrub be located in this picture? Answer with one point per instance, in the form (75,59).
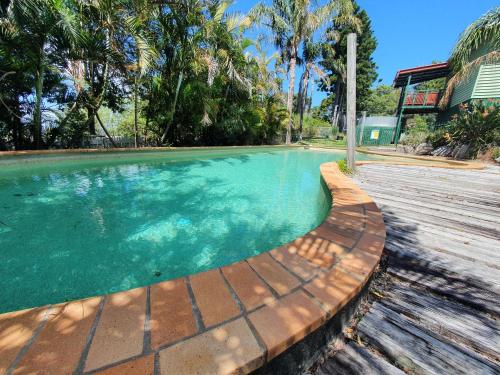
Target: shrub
(477,126)
(414,138)
(439,137)
(342,164)
(496,153)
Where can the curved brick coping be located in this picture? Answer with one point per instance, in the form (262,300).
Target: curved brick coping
(226,320)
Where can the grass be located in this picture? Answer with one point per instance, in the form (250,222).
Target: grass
(342,164)
(324,142)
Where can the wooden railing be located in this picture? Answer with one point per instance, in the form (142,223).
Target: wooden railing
(422,98)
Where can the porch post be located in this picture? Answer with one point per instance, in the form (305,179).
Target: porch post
(400,117)
(351,99)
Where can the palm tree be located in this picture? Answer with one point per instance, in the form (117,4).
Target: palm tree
(210,48)
(267,83)
(45,26)
(463,61)
(141,13)
(311,53)
(293,21)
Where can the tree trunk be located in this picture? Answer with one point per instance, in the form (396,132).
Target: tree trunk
(303,99)
(336,103)
(174,106)
(136,107)
(37,113)
(16,127)
(105,130)
(289,106)
(91,120)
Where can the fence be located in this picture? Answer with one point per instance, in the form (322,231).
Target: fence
(100,141)
(375,130)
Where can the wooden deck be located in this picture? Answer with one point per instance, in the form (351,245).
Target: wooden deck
(439,305)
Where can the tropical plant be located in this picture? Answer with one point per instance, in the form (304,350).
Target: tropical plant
(335,60)
(292,22)
(311,52)
(477,126)
(465,58)
(138,19)
(45,27)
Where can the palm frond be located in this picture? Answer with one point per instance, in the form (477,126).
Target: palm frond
(465,73)
(485,29)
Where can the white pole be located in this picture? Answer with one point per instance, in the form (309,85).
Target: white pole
(362,130)
(351,98)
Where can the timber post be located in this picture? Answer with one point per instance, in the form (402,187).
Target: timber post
(351,99)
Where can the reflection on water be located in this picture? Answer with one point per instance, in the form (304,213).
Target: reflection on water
(73,231)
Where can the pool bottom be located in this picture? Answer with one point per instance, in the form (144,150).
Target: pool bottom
(85,229)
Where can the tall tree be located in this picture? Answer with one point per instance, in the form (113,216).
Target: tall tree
(137,21)
(45,26)
(335,60)
(382,101)
(311,52)
(291,22)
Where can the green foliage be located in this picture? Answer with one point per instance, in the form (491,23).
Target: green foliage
(342,164)
(438,137)
(324,142)
(417,131)
(335,57)
(495,154)
(484,29)
(382,101)
(477,126)
(311,122)
(482,33)
(179,73)
(414,138)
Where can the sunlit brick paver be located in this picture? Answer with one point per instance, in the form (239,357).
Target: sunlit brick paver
(249,288)
(227,320)
(61,341)
(274,273)
(172,317)
(120,332)
(16,328)
(230,348)
(213,297)
(287,320)
(139,366)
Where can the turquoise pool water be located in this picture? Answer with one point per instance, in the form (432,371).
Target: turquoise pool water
(80,225)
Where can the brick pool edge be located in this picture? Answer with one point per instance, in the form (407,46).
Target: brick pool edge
(232,319)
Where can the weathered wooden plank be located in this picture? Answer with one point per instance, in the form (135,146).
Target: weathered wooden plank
(477,211)
(457,322)
(395,212)
(472,250)
(354,359)
(443,237)
(417,350)
(425,259)
(453,286)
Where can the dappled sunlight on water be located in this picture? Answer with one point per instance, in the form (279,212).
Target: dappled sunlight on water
(72,231)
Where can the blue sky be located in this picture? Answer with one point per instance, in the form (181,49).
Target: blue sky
(409,32)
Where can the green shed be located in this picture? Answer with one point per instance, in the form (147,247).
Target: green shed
(375,130)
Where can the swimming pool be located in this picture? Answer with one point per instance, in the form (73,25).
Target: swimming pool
(79,225)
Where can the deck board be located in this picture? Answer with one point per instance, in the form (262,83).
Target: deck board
(440,310)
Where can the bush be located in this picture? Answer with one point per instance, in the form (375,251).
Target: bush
(439,137)
(342,164)
(414,138)
(477,126)
(496,153)
(417,131)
